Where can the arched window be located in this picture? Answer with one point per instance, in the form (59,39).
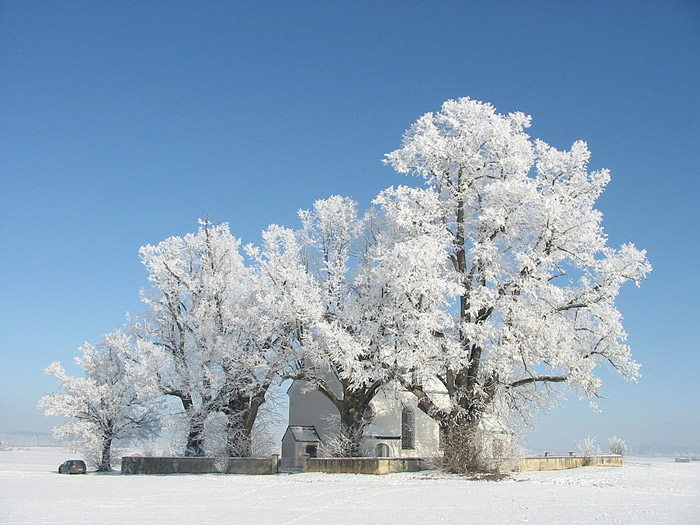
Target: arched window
(408,428)
(382,450)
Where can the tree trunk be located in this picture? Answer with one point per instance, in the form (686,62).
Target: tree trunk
(238,439)
(463,447)
(241,412)
(351,408)
(195,434)
(352,422)
(106,456)
(195,439)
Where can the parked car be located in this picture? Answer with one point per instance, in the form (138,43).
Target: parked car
(72,466)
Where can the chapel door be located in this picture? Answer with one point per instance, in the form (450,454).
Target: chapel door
(382,450)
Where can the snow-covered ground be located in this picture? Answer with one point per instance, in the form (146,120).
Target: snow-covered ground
(643,491)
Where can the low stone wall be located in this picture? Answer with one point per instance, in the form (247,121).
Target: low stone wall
(182,465)
(363,465)
(567,462)
(611,460)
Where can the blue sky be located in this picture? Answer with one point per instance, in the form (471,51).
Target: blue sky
(122,123)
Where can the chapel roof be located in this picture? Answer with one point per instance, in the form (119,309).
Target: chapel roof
(305,434)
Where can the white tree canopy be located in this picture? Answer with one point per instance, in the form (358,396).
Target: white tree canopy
(113,403)
(219,333)
(384,290)
(537,281)
(191,322)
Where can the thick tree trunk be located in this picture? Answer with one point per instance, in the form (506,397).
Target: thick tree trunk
(463,443)
(352,408)
(106,455)
(195,435)
(352,423)
(195,439)
(237,439)
(241,412)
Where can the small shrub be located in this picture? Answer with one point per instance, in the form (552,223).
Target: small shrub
(469,450)
(337,446)
(589,450)
(617,446)
(343,444)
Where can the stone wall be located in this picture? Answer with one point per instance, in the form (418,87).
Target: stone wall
(362,465)
(567,462)
(182,465)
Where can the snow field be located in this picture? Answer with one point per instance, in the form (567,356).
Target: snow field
(644,491)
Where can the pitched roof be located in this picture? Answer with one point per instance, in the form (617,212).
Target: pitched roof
(304,434)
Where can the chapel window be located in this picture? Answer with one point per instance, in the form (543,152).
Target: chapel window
(408,428)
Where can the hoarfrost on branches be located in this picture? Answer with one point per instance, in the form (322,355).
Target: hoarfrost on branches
(218,334)
(617,446)
(493,282)
(537,281)
(112,404)
(589,449)
(381,281)
(190,323)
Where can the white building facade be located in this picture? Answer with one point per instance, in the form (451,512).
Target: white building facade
(395,427)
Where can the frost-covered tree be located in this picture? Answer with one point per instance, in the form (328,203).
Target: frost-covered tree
(270,320)
(589,449)
(189,324)
(218,333)
(617,446)
(112,404)
(332,241)
(377,313)
(537,281)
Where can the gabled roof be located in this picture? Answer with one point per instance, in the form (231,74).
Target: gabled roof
(304,434)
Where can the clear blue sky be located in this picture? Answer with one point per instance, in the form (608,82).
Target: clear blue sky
(121,123)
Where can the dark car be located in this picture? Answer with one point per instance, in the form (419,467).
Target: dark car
(72,466)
